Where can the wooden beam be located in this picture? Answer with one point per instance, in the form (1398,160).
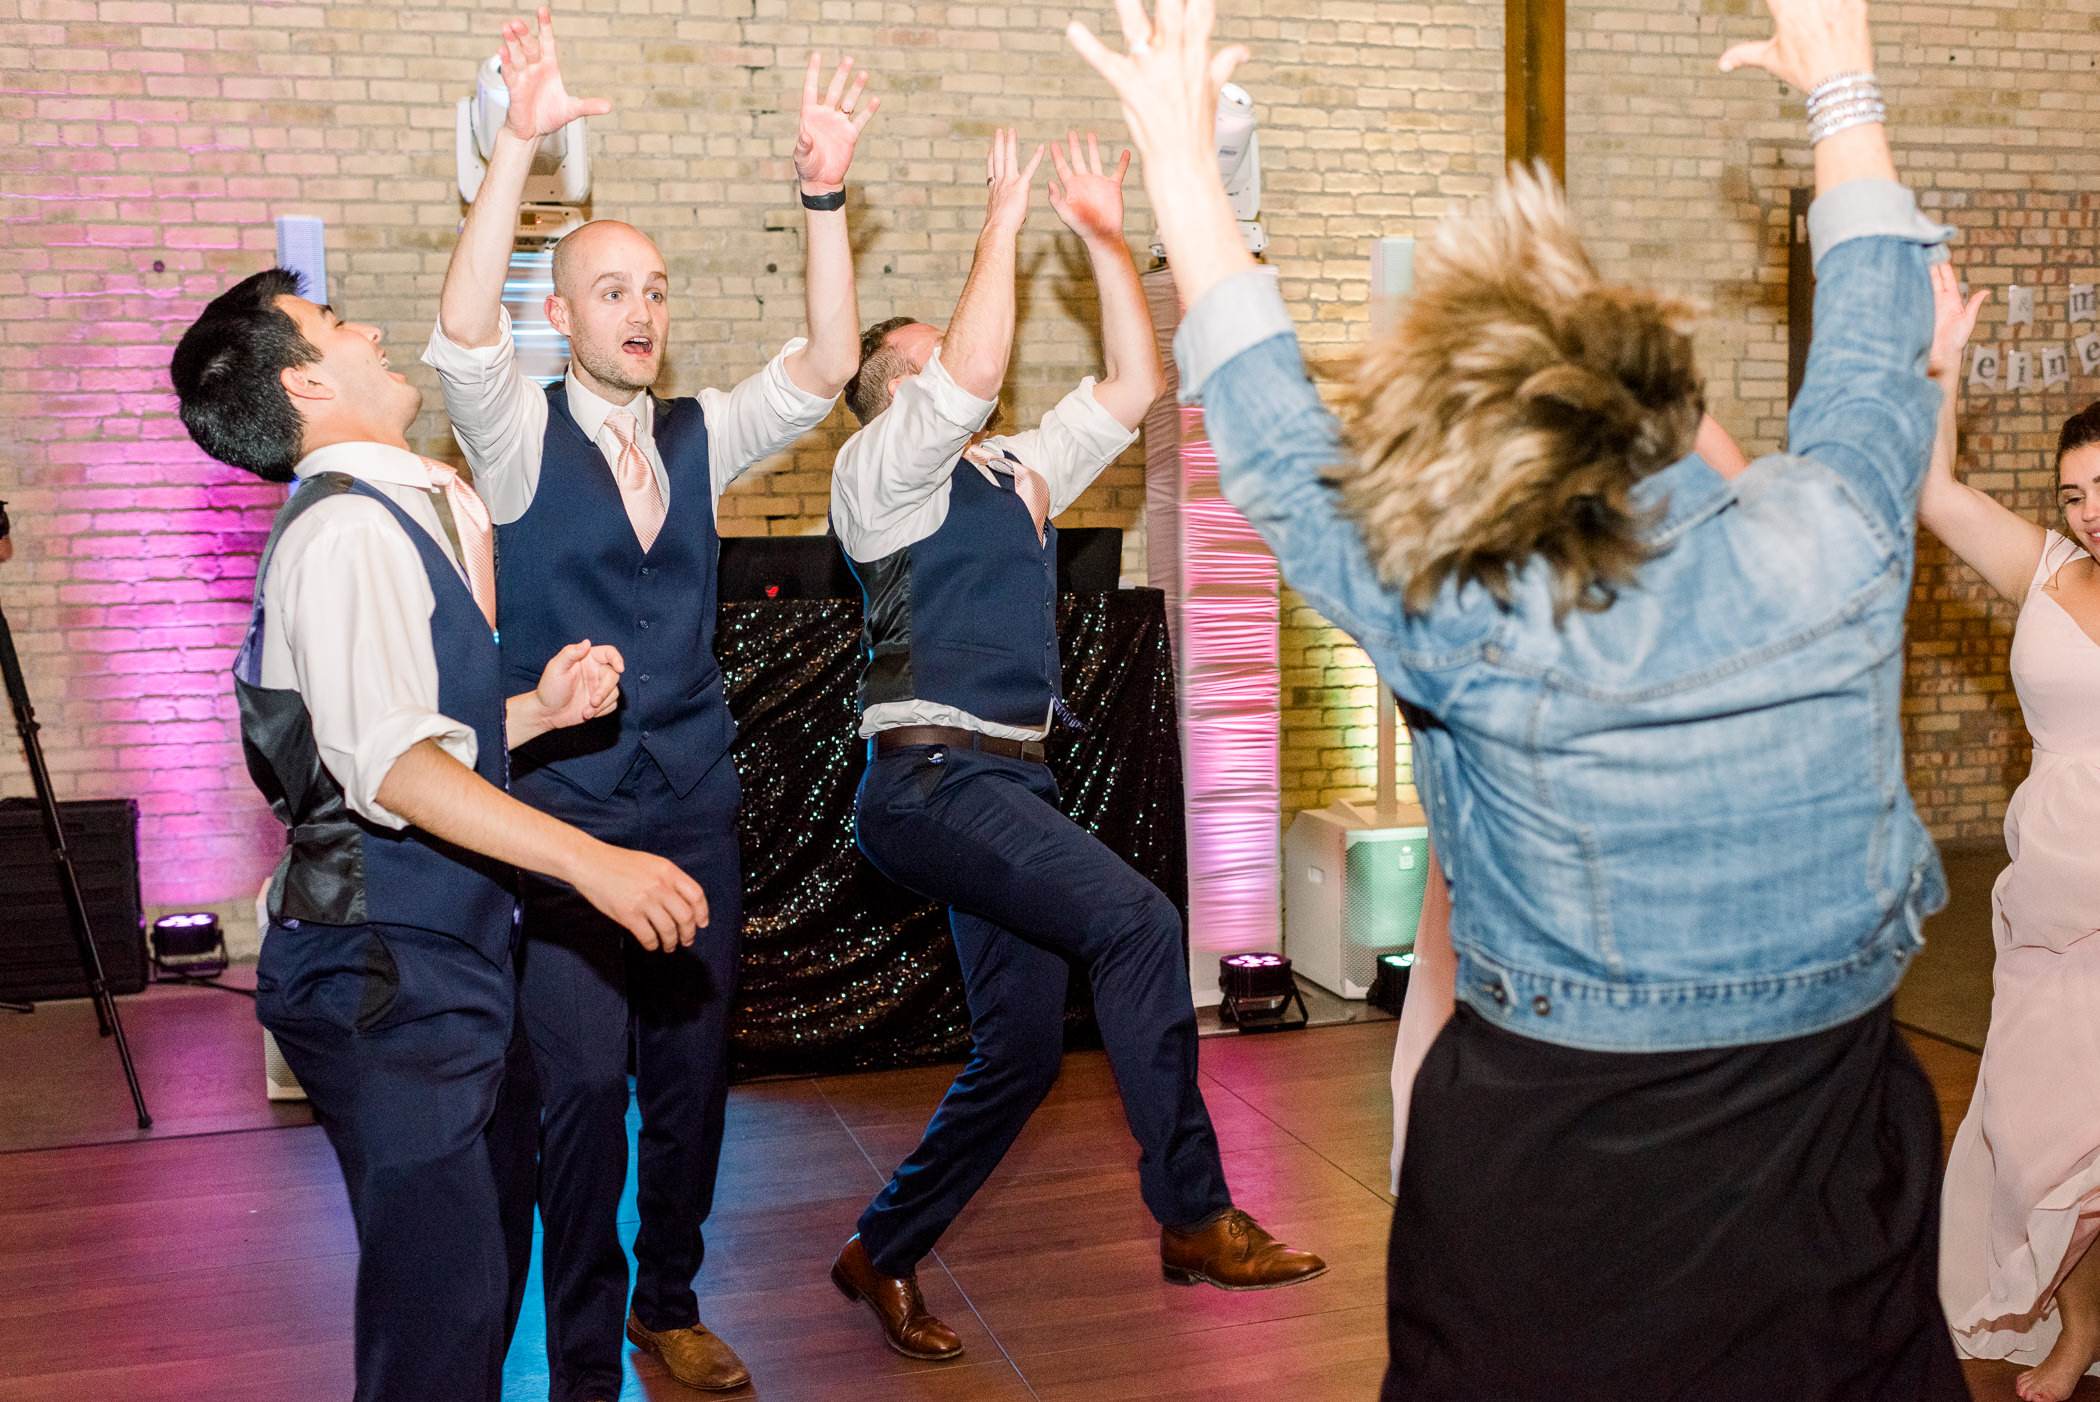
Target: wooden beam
(1535,70)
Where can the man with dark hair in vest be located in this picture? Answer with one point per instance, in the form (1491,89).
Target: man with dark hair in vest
(949,532)
(374,717)
(604,500)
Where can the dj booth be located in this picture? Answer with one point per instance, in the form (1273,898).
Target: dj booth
(842,970)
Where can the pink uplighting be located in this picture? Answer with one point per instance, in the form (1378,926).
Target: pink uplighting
(1230,710)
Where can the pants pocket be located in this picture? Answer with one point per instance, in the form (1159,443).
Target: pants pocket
(333,976)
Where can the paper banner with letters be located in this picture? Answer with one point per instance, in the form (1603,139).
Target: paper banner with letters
(2082,304)
(2088,348)
(2056,366)
(1983,367)
(2019,306)
(2019,371)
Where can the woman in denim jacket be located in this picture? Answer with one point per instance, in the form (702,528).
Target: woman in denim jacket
(1669,1145)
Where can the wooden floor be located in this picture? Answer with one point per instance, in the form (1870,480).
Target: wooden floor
(219,1266)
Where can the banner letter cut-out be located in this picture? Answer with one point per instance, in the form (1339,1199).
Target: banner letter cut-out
(1983,368)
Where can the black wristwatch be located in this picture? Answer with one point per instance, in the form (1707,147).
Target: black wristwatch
(835,200)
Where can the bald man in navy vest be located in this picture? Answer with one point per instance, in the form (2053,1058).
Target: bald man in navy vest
(604,499)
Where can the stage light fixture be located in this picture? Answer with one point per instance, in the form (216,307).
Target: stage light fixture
(1259,993)
(188,946)
(1389,985)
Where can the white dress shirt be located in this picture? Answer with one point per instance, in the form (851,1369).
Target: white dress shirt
(890,486)
(346,623)
(499,417)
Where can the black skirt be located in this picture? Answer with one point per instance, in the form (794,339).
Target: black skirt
(1757,1223)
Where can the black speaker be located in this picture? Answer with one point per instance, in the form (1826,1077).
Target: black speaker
(1089,560)
(757,567)
(38,958)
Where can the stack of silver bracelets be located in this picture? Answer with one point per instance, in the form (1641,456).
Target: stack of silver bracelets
(1845,100)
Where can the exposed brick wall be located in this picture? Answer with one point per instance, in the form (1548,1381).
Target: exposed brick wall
(148,144)
(1681,176)
(1968,747)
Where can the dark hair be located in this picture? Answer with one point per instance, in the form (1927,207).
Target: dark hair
(226,372)
(2081,430)
(868,393)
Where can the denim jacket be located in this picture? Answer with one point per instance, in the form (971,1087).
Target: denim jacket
(1682,821)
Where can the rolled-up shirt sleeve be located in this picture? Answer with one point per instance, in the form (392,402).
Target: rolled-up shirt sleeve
(498,415)
(763,414)
(1861,209)
(1865,407)
(1076,439)
(1239,313)
(895,471)
(355,605)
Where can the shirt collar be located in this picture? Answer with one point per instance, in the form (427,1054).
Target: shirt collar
(369,462)
(589,410)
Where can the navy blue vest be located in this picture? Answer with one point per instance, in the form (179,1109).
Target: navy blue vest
(966,617)
(571,568)
(339,869)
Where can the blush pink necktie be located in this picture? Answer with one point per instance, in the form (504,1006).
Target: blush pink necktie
(477,537)
(1032,489)
(638,490)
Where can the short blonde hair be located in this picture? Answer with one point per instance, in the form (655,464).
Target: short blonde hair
(1512,408)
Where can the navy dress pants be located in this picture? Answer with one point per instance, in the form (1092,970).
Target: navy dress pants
(587,989)
(1028,889)
(406,1044)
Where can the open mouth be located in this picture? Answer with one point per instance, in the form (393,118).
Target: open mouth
(639,345)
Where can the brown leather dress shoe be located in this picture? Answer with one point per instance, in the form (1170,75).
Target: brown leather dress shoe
(694,1356)
(906,1325)
(1233,1253)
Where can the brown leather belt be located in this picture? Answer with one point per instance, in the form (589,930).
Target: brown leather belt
(956,738)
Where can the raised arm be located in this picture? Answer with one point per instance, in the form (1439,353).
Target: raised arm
(1091,204)
(1865,410)
(2001,546)
(980,336)
(656,902)
(823,152)
(470,306)
(1235,349)
(1168,82)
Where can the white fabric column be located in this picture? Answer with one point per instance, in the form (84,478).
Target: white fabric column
(1221,586)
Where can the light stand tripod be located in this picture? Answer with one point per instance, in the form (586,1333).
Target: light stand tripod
(61,858)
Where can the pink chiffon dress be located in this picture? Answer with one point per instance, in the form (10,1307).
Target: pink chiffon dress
(2022,1196)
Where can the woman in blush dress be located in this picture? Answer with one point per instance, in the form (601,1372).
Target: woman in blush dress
(2022,1200)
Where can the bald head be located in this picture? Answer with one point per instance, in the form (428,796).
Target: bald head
(611,299)
(599,246)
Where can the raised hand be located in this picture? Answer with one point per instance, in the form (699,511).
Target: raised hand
(1167,78)
(1953,322)
(1090,203)
(1811,40)
(1168,81)
(1007,181)
(580,683)
(539,104)
(824,144)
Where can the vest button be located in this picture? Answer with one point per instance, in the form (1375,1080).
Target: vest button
(641,623)
(645,569)
(643,677)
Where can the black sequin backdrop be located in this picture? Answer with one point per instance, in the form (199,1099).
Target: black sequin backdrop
(842,970)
